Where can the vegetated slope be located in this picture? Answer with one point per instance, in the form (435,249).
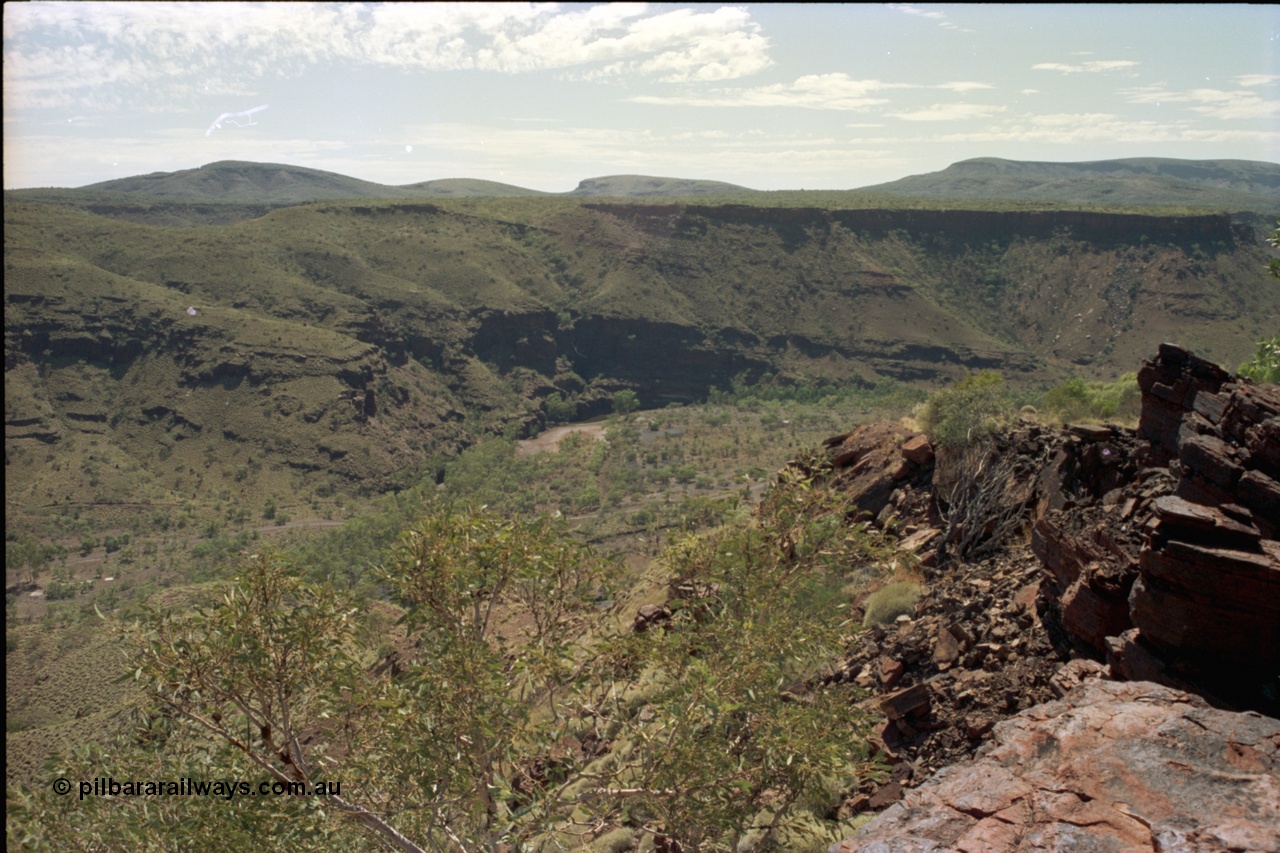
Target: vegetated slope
(468,188)
(1227,184)
(242,181)
(278,184)
(645,186)
(351,345)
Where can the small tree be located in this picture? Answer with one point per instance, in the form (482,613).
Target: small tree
(975,406)
(731,725)
(1274,239)
(559,410)
(986,502)
(492,716)
(1265,365)
(625,402)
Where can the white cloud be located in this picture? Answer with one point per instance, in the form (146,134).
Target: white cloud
(762,159)
(1087,129)
(1256,79)
(836,91)
(1094,66)
(949,112)
(1093,128)
(916,10)
(931,14)
(57,53)
(1215,103)
(964,86)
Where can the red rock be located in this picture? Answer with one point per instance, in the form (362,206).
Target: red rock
(919,539)
(1113,766)
(1261,495)
(855,805)
(1213,607)
(1075,672)
(918,450)
(946,649)
(976,727)
(1090,616)
(900,704)
(1211,458)
(1025,598)
(1180,518)
(889,793)
(869,460)
(889,671)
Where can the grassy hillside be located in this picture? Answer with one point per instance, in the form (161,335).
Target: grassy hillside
(1135,183)
(345,346)
(645,186)
(468,188)
(172,392)
(1225,184)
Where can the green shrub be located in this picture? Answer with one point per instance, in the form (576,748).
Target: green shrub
(559,410)
(1076,399)
(891,601)
(975,406)
(1265,366)
(625,402)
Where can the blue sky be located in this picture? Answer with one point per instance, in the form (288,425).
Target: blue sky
(543,95)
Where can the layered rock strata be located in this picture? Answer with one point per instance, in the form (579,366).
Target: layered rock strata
(1152,558)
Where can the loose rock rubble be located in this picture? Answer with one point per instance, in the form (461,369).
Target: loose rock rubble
(1151,557)
(975,652)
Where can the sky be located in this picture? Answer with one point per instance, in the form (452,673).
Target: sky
(820,96)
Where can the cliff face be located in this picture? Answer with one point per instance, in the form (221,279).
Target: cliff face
(458,322)
(670,220)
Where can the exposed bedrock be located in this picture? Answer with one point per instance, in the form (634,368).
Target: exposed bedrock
(1110,767)
(679,219)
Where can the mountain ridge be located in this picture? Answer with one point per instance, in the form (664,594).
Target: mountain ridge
(1241,185)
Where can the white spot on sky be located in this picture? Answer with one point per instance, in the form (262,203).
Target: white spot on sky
(408,149)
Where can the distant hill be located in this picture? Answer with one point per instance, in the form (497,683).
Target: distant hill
(279,184)
(644,186)
(1227,184)
(237,181)
(1230,185)
(469,188)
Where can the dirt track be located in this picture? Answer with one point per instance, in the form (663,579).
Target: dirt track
(551,439)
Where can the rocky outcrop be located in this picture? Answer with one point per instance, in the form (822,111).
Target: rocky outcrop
(1207,596)
(1110,767)
(1167,566)
(877,463)
(673,219)
(974,652)
(1151,559)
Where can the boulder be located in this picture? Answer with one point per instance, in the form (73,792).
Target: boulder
(1112,766)
(872,463)
(918,450)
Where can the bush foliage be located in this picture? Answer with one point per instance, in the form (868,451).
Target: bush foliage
(501,708)
(1078,400)
(977,405)
(1265,365)
(891,601)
